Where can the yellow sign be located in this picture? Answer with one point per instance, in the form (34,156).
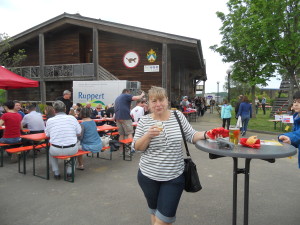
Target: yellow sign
(151,56)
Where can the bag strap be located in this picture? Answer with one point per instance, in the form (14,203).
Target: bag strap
(183,136)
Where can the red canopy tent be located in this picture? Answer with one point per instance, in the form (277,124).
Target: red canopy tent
(10,80)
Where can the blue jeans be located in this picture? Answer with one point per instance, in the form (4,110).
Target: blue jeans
(245,121)
(162,196)
(10,140)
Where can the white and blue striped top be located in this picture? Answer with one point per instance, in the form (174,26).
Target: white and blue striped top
(163,159)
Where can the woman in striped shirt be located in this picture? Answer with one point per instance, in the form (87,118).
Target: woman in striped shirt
(161,165)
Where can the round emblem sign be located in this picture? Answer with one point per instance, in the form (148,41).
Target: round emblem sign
(131,59)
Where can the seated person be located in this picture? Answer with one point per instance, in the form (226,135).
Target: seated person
(63,130)
(89,139)
(33,120)
(110,113)
(49,111)
(98,113)
(12,121)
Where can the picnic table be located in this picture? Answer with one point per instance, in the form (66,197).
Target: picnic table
(275,123)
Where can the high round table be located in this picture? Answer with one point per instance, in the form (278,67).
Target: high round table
(265,152)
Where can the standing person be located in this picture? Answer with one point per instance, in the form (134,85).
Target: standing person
(263,104)
(293,138)
(226,114)
(33,120)
(12,121)
(89,139)
(237,105)
(62,129)
(256,104)
(138,111)
(245,111)
(161,165)
(212,103)
(66,100)
(198,105)
(122,114)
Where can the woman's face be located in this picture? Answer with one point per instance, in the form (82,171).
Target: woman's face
(158,106)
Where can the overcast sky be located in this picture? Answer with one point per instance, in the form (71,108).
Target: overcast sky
(191,18)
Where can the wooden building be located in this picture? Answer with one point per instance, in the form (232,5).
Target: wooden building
(72,47)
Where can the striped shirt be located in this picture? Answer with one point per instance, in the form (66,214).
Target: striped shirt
(62,129)
(163,159)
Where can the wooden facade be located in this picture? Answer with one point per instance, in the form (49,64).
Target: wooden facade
(70,39)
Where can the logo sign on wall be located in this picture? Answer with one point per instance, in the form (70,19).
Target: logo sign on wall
(131,59)
(151,56)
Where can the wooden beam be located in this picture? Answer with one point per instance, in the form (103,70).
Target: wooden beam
(95,53)
(42,67)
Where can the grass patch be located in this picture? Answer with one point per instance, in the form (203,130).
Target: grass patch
(261,123)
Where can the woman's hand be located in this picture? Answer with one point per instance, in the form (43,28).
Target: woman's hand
(153,131)
(285,139)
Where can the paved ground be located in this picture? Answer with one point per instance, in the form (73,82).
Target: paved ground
(107,193)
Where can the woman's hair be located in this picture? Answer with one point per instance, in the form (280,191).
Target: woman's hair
(9,104)
(245,99)
(84,113)
(225,101)
(49,111)
(59,106)
(72,112)
(157,93)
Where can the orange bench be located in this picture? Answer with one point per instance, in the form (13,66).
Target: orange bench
(2,147)
(22,150)
(126,147)
(70,160)
(103,150)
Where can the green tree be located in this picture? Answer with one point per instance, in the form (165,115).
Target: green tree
(9,57)
(281,30)
(243,45)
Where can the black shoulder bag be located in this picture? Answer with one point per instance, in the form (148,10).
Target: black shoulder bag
(192,182)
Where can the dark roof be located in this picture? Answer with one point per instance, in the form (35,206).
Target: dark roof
(142,33)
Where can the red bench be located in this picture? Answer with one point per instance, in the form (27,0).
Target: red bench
(70,160)
(2,147)
(22,150)
(127,147)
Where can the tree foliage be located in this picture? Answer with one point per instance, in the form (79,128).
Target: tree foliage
(242,44)
(9,57)
(259,38)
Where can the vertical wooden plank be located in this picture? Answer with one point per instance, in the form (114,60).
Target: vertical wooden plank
(95,53)
(164,66)
(42,67)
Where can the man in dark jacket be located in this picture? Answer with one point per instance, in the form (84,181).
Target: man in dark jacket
(66,100)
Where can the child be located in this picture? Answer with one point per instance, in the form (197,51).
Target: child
(293,137)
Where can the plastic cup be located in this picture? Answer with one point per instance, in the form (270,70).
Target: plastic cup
(159,125)
(234,135)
